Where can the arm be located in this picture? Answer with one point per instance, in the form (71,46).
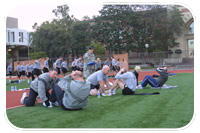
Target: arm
(102,86)
(120,76)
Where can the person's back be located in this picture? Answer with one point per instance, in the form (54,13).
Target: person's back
(76,96)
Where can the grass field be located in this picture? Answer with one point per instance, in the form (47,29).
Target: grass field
(173,108)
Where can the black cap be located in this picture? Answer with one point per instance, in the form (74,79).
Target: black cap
(91,47)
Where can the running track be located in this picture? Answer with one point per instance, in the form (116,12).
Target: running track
(13,97)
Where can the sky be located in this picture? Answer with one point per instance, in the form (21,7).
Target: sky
(29,14)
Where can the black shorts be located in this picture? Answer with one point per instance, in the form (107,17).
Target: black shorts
(29,74)
(23,73)
(113,68)
(19,74)
(64,70)
(73,68)
(45,70)
(127,91)
(118,68)
(36,72)
(94,87)
(58,70)
(10,73)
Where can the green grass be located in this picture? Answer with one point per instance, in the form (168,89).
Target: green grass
(171,109)
(22,85)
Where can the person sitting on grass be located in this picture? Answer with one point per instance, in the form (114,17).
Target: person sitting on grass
(136,72)
(163,77)
(126,81)
(71,92)
(97,80)
(41,86)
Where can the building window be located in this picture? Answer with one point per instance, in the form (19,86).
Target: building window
(8,36)
(191,28)
(13,36)
(20,36)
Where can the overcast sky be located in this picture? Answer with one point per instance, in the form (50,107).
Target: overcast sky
(29,14)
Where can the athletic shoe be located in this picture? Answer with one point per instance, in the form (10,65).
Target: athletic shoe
(56,103)
(113,92)
(23,97)
(104,94)
(139,87)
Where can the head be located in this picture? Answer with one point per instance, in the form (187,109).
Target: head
(60,58)
(40,59)
(111,57)
(165,68)
(137,69)
(80,58)
(10,64)
(106,69)
(91,49)
(77,75)
(98,59)
(53,73)
(19,63)
(47,58)
(117,59)
(107,59)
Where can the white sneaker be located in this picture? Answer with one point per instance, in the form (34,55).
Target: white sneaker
(139,87)
(113,92)
(23,97)
(104,94)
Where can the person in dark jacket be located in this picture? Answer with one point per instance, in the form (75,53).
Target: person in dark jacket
(153,82)
(136,72)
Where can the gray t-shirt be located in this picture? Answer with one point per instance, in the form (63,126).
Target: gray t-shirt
(58,63)
(113,62)
(64,65)
(10,68)
(19,68)
(28,68)
(129,79)
(36,65)
(96,77)
(46,63)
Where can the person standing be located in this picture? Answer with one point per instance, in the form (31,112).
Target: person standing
(88,58)
(118,65)
(36,68)
(9,70)
(74,65)
(78,61)
(28,72)
(98,64)
(58,64)
(114,65)
(46,65)
(107,62)
(23,72)
(64,67)
(19,71)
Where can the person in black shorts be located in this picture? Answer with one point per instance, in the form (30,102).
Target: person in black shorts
(58,64)
(19,71)
(9,70)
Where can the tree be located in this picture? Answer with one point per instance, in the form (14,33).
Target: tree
(130,27)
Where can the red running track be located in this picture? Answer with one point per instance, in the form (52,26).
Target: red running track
(13,97)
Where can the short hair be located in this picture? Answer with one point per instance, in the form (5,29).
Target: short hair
(137,68)
(79,74)
(19,62)
(53,69)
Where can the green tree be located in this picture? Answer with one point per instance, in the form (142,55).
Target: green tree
(130,27)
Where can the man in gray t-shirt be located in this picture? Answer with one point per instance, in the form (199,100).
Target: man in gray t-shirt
(96,81)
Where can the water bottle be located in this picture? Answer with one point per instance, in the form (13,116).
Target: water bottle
(99,94)
(15,88)
(12,88)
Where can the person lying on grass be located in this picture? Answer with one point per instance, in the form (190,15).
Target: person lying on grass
(97,80)
(163,77)
(71,95)
(41,86)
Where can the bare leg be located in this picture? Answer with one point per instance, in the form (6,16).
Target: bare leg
(118,83)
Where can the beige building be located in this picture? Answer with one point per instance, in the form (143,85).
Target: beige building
(186,40)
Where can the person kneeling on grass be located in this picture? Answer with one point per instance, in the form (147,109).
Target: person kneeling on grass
(163,77)
(41,86)
(97,80)
(71,95)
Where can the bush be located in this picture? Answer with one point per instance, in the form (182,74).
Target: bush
(37,55)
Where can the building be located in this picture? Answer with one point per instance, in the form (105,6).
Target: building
(186,40)
(17,41)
